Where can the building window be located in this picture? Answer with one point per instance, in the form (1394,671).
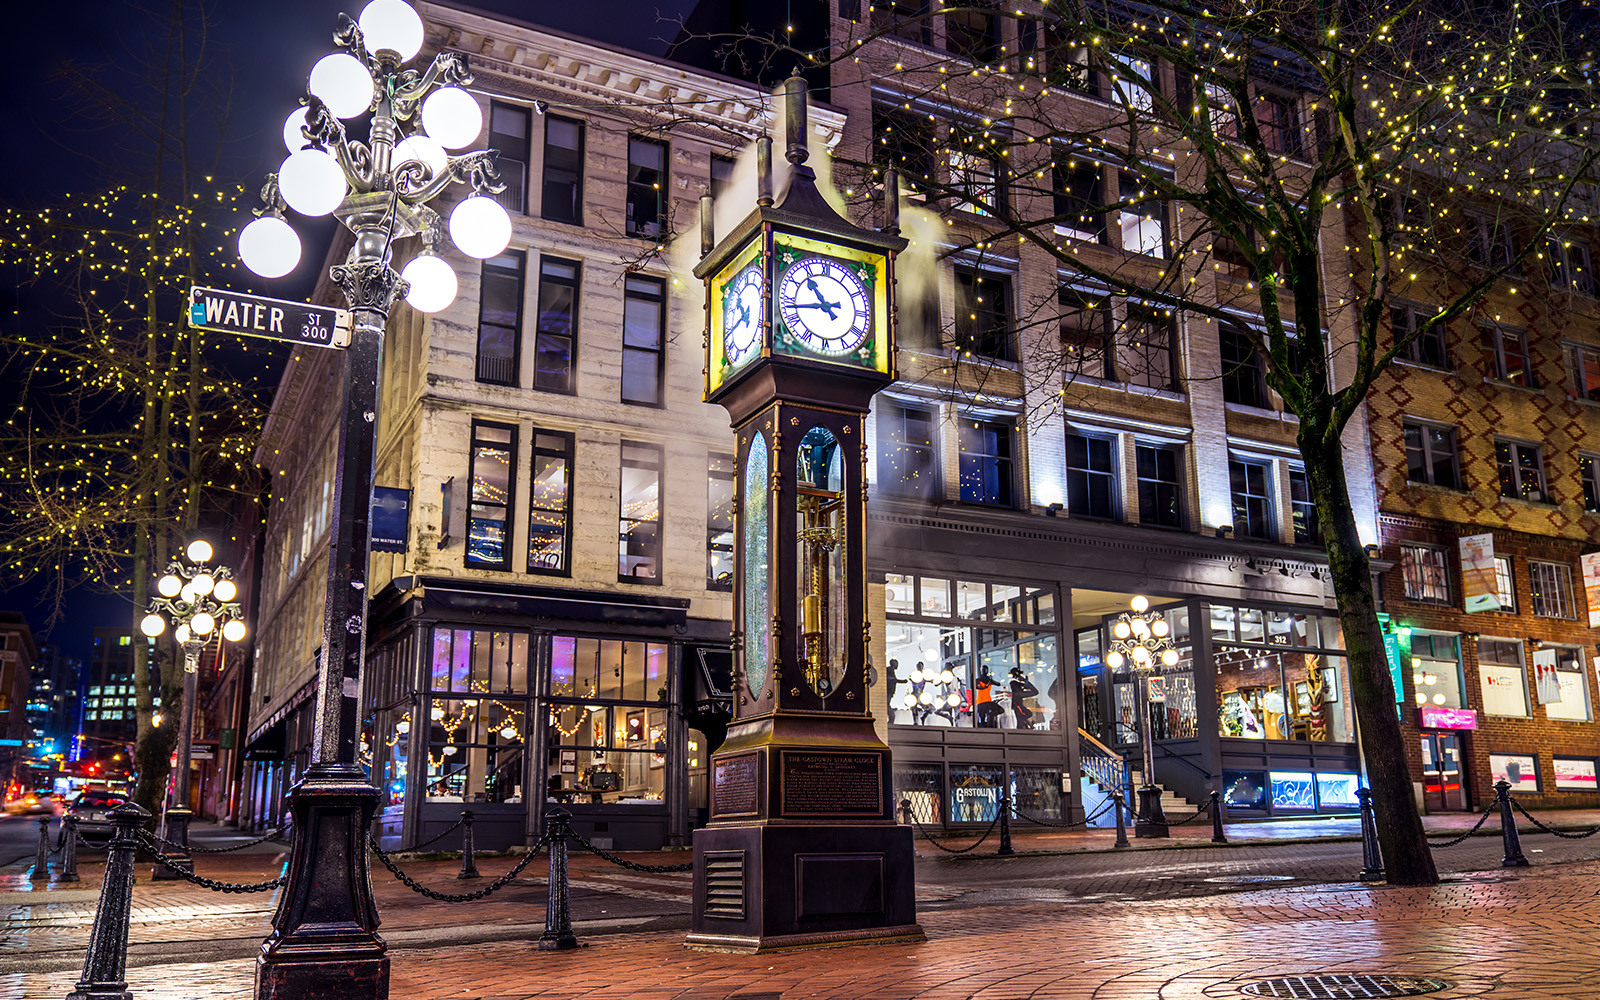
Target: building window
(1503,678)
(1092,476)
(977,170)
(1505,586)
(1551,586)
(1302,511)
(1222,111)
(721,174)
(902,19)
(1160,484)
(1087,333)
(1586,372)
(488,528)
(917,315)
(508,134)
(983,314)
(986,475)
(1279,120)
(1066,57)
(639,515)
(1429,348)
(1147,355)
(906,143)
(1521,468)
(1507,352)
(647,186)
(1436,670)
(550,504)
(972,34)
(1425,573)
(1589,476)
(1129,82)
(719,523)
(563,170)
(1142,220)
(1242,379)
(555,356)
(644,323)
(1568,663)
(1570,265)
(500,318)
(1251,483)
(908,463)
(1488,241)
(1431,455)
(1079,201)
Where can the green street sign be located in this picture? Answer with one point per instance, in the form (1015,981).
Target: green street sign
(224,311)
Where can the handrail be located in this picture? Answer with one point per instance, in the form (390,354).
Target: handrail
(1084,734)
(1101,762)
(1185,760)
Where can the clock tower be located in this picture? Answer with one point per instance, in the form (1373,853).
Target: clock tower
(802,849)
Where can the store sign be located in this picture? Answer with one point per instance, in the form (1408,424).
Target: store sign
(1520,770)
(1391,646)
(1434,717)
(391,518)
(1575,774)
(1591,585)
(1477,573)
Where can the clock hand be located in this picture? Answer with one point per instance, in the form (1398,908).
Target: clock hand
(821,302)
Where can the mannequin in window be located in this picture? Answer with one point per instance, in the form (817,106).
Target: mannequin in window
(987,712)
(1021,690)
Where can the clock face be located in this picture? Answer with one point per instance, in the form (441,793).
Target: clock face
(741,315)
(825,305)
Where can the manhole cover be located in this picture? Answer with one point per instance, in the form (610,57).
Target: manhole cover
(1248,880)
(1345,987)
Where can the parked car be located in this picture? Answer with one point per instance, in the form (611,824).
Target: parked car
(44,801)
(92,808)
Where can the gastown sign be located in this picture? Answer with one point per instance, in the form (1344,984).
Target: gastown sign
(276,319)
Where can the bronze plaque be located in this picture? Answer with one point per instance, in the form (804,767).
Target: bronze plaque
(831,783)
(735,786)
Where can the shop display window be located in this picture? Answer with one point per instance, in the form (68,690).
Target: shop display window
(1567,663)
(613,754)
(1267,694)
(919,790)
(1436,670)
(479,661)
(975,792)
(1036,792)
(475,749)
(1336,790)
(1293,790)
(1244,789)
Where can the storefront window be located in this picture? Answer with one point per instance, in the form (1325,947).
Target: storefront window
(1036,792)
(478,661)
(606,733)
(975,792)
(475,750)
(1281,695)
(1569,678)
(1436,670)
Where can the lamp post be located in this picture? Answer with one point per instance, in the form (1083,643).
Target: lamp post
(196,599)
(324,941)
(1141,639)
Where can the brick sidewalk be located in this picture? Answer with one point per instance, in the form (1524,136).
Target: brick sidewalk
(1527,937)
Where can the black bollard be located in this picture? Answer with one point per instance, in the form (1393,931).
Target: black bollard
(1371,854)
(1217,836)
(68,871)
(904,811)
(1508,828)
(1122,821)
(557,934)
(178,829)
(41,862)
(469,860)
(1005,825)
(106,962)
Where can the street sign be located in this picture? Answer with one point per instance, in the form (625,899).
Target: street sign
(225,311)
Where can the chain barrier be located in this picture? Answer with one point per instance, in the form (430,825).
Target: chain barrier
(1204,810)
(463,897)
(172,864)
(1063,826)
(624,862)
(1564,836)
(1453,842)
(433,840)
(960,850)
(195,849)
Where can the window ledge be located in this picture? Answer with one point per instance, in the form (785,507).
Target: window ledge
(1436,488)
(1145,390)
(1575,398)
(1424,366)
(1261,411)
(1541,504)
(1506,383)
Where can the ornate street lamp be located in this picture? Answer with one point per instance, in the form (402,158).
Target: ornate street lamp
(196,599)
(379,189)
(1141,639)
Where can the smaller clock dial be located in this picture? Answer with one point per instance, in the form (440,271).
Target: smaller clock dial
(741,315)
(825,305)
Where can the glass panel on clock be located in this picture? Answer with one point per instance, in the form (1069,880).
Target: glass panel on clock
(819,500)
(756,613)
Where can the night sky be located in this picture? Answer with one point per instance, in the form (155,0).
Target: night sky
(256,56)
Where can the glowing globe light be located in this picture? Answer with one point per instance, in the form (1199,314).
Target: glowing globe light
(202,623)
(294,139)
(1160,628)
(450,751)
(1438,699)
(343,83)
(1114,660)
(225,591)
(436,713)
(926,697)
(1141,655)
(953,700)
(509,732)
(391,25)
(152,625)
(1121,630)
(480,227)
(420,147)
(433,283)
(947,678)
(169,585)
(181,633)
(452,117)
(312,182)
(1141,604)
(1170,657)
(187,594)
(203,584)
(1422,699)
(403,726)
(269,247)
(233,631)
(916,676)
(909,701)
(199,551)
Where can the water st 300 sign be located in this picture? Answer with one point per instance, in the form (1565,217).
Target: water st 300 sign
(276,319)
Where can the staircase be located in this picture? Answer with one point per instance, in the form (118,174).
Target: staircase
(1173,804)
(1105,770)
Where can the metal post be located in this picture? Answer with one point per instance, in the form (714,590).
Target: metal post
(1122,821)
(68,872)
(557,934)
(1371,853)
(469,861)
(41,862)
(1152,819)
(177,815)
(1508,828)
(1217,836)
(106,961)
(1005,823)
(904,812)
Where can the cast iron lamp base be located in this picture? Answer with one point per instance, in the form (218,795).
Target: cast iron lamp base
(178,832)
(1152,819)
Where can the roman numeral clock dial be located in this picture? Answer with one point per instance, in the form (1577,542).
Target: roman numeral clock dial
(825,305)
